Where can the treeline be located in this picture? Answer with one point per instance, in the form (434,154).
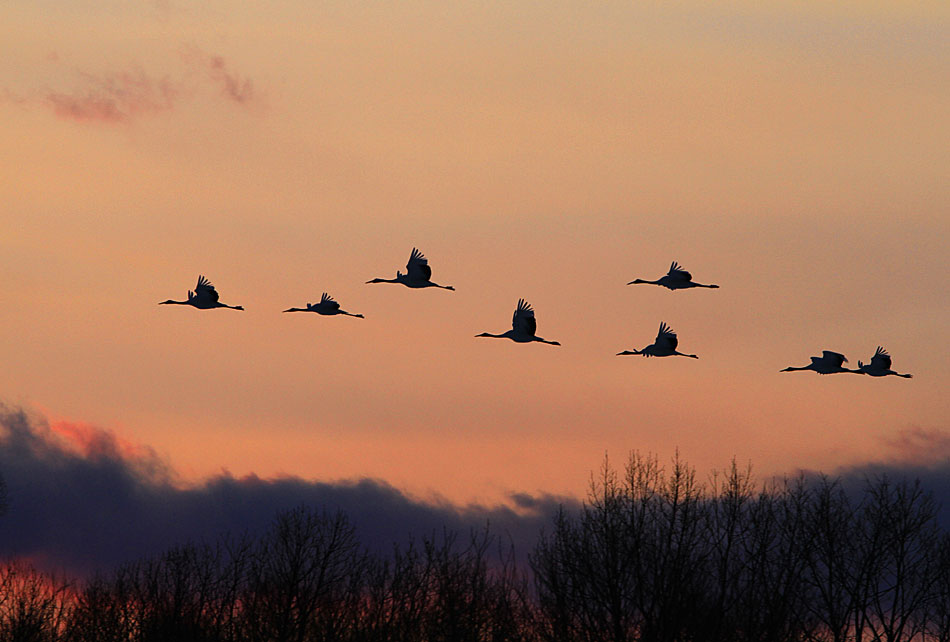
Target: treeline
(653,555)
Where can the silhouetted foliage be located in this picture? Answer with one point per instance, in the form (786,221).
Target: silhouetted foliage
(32,604)
(653,555)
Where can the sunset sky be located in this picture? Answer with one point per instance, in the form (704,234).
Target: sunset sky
(795,153)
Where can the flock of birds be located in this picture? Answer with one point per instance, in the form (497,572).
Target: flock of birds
(524,325)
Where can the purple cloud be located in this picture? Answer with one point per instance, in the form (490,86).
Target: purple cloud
(914,453)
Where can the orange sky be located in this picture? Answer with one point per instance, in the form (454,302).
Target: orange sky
(796,155)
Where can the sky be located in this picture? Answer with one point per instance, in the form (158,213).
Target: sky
(796,154)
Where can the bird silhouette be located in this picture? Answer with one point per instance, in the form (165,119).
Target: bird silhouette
(327,307)
(664,346)
(828,363)
(880,365)
(418,274)
(676,279)
(204,297)
(523,327)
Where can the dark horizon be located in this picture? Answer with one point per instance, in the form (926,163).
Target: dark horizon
(652,554)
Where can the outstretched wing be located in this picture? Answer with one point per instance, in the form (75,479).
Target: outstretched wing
(833,358)
(523,320)
(881,359)
(666,338)
(417,269)
(205,291)
(677,272)
(327,301)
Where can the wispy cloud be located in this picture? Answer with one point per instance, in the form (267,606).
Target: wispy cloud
(122,96)
(237,88)
(213,68)
(914,453)
(83,499)
(114,97)
(920,446)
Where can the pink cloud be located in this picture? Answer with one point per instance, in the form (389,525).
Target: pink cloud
(85,107)
(114,98)
(235,87)
(122,96)
(97,444)
(92,442)
(214,68)
(918,445)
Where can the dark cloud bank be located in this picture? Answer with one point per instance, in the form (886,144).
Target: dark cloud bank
(81,500)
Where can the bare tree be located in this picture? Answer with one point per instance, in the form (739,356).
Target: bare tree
(830,561)
(937,613)
(296,571)
(104,610)
(584,570)
(634,563)
(773,607)
(395,596)
(729,526)
(674,569)
(902,538)
(33,605)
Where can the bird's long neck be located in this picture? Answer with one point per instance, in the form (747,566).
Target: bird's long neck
(700,285)
(794,368)
(231,307)
(170,302)
(639,281)
(350,314)
(381,280)
(492,336)
(897,374)
(297,310)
